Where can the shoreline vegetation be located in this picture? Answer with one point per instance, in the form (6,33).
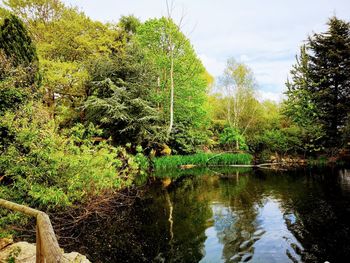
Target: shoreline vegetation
(239,160)
(88,110)
(202,159)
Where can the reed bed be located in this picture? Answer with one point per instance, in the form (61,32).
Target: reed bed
(202,159)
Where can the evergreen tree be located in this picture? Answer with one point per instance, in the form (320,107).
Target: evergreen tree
(18,64)
(330,75)
(119,98)
(16,42)
(320,87)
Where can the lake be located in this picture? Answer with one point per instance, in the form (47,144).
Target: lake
(228,215)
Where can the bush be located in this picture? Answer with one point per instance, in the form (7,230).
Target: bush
(230,137)
(15,84)
(186,140)
(141,160)
(48,170)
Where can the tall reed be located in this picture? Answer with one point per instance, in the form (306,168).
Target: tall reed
(202,159)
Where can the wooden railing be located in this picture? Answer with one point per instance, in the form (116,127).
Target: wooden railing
(47,248)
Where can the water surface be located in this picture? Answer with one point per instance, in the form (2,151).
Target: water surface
(229,216)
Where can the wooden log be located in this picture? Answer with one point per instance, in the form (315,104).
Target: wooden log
(48,243)
(39,256)
(47,248)
(245,165)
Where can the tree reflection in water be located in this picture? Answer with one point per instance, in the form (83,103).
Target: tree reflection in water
(229,216)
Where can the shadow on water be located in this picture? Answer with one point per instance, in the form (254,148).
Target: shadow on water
(226,215)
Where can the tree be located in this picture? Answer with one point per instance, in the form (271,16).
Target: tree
(182,80)
(119,97)
(301,108)
(18,64)
(66,41)
(35,13)
(129,25)
(319,93)
(16,42)
(238,88)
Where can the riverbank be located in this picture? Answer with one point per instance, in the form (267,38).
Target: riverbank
(242,160)
(68,219)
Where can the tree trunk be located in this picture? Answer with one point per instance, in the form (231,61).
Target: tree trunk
(171,123)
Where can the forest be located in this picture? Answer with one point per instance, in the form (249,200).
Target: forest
(90,108)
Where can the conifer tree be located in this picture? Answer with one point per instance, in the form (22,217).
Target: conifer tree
(321,81)
(16,42)
(18,64)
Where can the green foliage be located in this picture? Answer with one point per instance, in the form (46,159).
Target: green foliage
(35,10)
(230,136)
(15,84)
(317,162)
(18,64)
(184,140)
(16,43)
(319,92)
(346,133)
(201,159)
(66,41)
(11,98)
(158,37)
(129,24)
(119,98)
(276,141)
(141,160)
(48,170)
(238,85)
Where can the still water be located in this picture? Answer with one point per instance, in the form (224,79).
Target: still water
(211,216)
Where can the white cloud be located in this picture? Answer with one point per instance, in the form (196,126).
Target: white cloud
(266,35)
(213,65)
(268,95)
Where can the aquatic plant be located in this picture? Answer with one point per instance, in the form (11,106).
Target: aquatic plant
(202,159)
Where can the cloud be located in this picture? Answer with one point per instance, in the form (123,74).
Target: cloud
(265,35)
(213,65)
(268,95)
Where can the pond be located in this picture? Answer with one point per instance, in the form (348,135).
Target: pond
(229,216)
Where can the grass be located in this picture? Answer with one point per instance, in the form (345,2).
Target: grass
(202,159)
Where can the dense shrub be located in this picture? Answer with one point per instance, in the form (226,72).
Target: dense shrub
(16,85)
(185,140)
(48,170)
(231,137)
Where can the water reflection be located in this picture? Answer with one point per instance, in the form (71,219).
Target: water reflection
(250,230)
(229,216)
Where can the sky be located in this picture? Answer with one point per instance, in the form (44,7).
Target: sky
(264,34)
